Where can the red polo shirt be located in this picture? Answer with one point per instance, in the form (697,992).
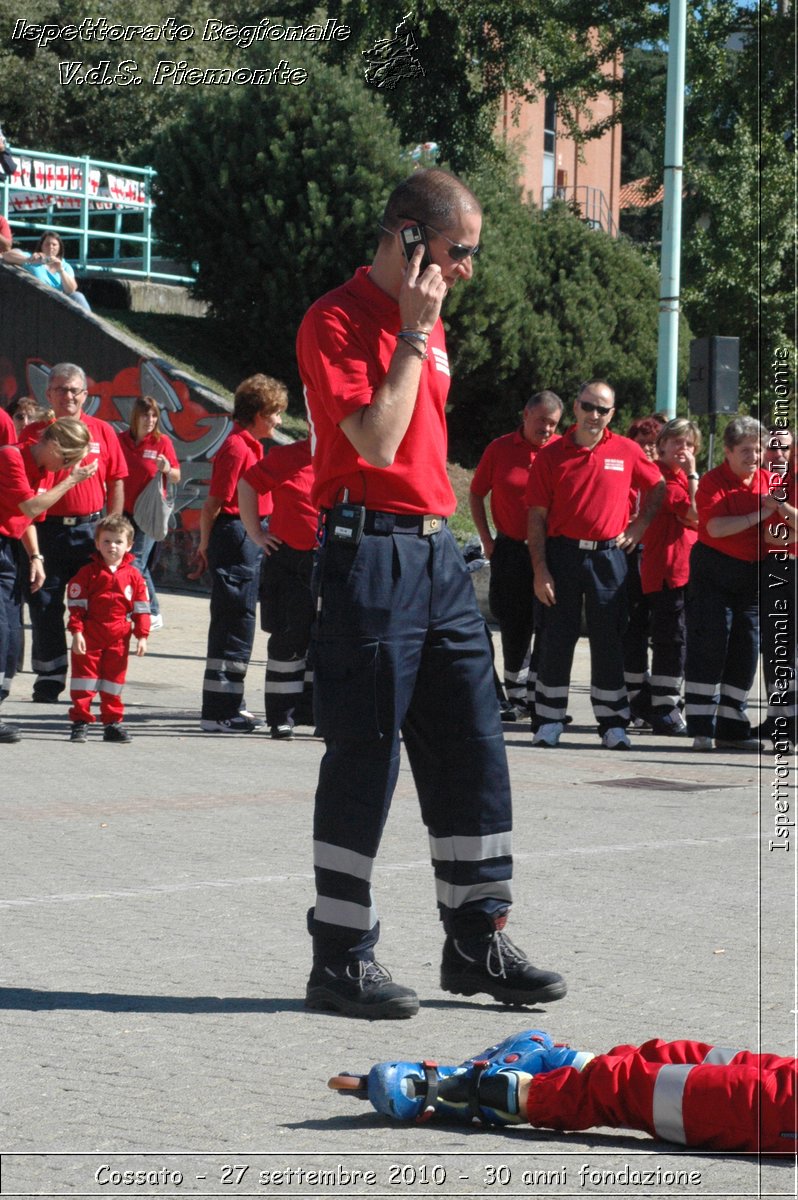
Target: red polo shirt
(667,545)
(503,471)
(287,472)
(721,493)
(238,452)
(344,347)
(586,492)
(8,430)
(141,466)
(89,496)
(20,479)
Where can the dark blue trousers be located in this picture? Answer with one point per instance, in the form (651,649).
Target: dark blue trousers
(597,578)
(234,564)
(722,643)
(399,645)
(66,548)
(11,558)
(635,640)
(668,640)
(518,611)
(286,612)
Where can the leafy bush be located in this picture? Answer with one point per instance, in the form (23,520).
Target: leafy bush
(276,194)
(552,302)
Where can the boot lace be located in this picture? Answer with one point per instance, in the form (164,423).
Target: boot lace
(504,958)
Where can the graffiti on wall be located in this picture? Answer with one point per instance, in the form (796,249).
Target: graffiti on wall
(196,431)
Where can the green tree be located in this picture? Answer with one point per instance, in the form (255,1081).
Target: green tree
(276,194)
(738,266)
(472,54)
(552,302)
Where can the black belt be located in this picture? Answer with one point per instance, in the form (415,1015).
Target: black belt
(389,522)
(78,520)
(586,544)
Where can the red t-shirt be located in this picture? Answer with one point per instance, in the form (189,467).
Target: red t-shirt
(90,495)
(20,479)
(140,459)
(667,545)
(237,453)
(5,230)
(586,492)
(721,493)
(503,471)
(287,472)
(344,349)
(8,430)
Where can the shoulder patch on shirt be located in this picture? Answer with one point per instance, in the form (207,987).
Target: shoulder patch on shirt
(128,592)
(613,464)
(441,360)
(74,589)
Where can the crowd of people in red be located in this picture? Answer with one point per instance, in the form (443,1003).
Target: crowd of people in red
(675,574)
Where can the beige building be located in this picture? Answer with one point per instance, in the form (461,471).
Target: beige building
(552,164)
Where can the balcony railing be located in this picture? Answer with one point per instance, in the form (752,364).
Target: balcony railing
(589,203)
(105,207)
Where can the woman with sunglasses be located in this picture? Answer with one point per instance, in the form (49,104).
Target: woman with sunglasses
(26,492)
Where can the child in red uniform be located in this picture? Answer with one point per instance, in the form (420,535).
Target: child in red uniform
(107,601)
(687,1092)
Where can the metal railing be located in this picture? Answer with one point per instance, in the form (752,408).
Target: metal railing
(589,203)
(100,205)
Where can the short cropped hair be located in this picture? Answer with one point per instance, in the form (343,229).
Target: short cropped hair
(680,427)
(71,437)
(589,384)
(741,428)
(647,427)
(259,396)
(114,524)
(428,197)
(546,398)
(67,370)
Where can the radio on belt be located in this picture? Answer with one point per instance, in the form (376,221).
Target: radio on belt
(346,521)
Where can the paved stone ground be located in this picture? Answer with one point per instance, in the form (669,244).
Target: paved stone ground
(155,959)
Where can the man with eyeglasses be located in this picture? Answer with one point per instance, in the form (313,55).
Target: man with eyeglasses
(579,535)
(399,644)
(66,536)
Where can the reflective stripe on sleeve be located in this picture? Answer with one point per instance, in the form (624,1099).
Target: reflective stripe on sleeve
(666,1105)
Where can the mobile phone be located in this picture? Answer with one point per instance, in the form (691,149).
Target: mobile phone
(412,237)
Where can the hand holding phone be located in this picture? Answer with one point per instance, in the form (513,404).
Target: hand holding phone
(411,238)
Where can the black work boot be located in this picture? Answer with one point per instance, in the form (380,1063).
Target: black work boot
(479,957)
(359,988)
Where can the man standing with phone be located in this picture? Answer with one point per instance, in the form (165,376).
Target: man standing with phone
(399,641)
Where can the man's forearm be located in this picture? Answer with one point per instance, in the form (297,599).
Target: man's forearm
(536,537)
(376,430)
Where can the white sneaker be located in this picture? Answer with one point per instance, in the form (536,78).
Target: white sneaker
(616,739)
(156,622)
(703,743)
(548,734)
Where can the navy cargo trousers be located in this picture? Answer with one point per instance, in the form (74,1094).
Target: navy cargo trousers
(399,645)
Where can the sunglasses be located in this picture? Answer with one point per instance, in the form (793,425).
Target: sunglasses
(456,250)
(594,408)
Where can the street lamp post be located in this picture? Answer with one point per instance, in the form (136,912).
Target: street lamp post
(668,343)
